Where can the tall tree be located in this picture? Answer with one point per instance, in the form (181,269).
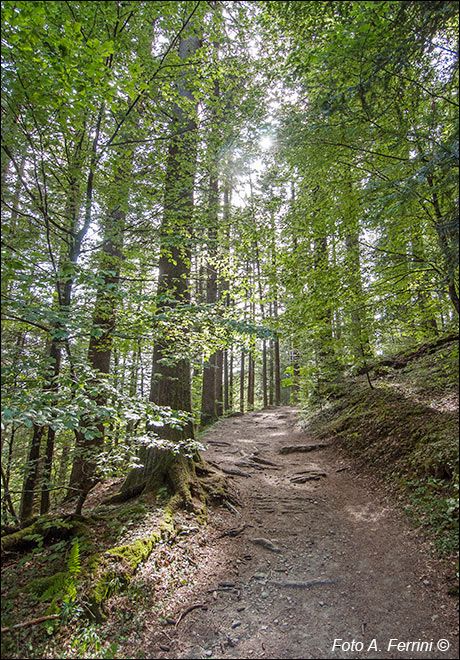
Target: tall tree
(170,381)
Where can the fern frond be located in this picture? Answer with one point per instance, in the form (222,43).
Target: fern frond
(56,587)
(73,562)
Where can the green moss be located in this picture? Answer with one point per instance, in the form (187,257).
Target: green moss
(112,570)
(168,523)
(19,539)
(411,443)
(134,554)
(39,585)
(93,564)
(43,530)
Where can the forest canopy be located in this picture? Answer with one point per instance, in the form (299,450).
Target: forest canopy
(210,207)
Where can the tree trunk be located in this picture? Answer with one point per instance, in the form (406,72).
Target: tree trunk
(296,377)
(55,355)
(6,474)
(424,300)
(226,392)
(264,373)
(447,229)
(271,368)
(277,372)
(91,433)
(64,459)
(212,370)
(7,508)
(208,395)
(359,332)
(208,398)
(276,360)
(242,383)
(230,379)
(225,295)
(251,369)
(324,337)
(171,383)
(264,343)
(31,475)
(63,297)
(218,384)
(274,297)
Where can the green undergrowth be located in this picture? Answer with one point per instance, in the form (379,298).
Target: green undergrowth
(43,530)
(405,429)
(76,575)
(110,571)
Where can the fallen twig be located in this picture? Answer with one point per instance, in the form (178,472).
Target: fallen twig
(32,622)
(305,585)
(188,610)
(162,632)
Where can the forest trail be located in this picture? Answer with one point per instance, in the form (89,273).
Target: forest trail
(343,564)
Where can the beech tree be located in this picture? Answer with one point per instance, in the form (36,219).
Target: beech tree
(170,380)
(200,216)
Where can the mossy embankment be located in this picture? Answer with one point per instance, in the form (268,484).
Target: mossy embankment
(403,425)
(111,542)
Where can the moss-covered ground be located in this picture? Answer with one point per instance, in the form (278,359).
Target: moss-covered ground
(114,541)
(404,427)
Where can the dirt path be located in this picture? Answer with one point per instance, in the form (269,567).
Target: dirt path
(343,564)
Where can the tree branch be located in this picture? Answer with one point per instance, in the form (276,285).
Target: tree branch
(32,622)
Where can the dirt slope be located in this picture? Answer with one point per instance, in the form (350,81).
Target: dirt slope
(343,565)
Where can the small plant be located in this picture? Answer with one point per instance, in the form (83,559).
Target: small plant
(433,508)
(113,585)
(87,642)
(109,653)
(55,550)
(162,494)
(61,588)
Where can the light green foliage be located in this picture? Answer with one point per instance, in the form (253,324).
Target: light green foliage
(332,132)
(93,86)
(303,161)
(369,140)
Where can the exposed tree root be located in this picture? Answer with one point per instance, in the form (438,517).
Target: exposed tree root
(109,572)
(189,609)
(191,489)
(191,483)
